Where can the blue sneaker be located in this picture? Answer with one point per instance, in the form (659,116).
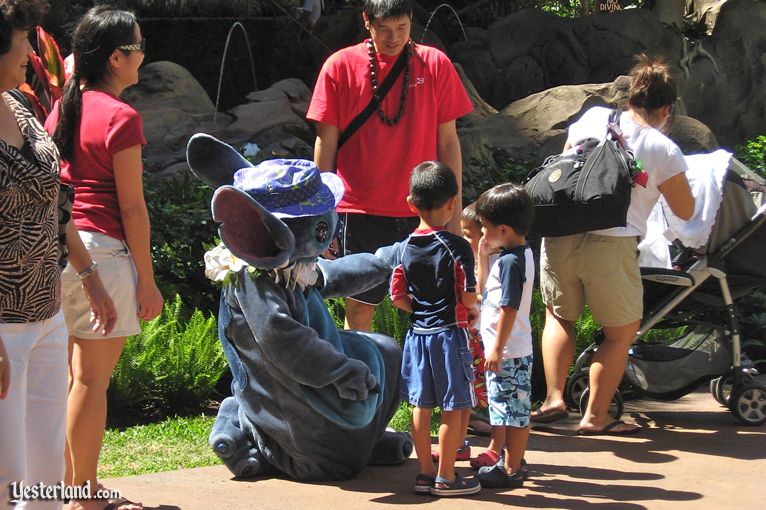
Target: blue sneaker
(495,477)
(460,487)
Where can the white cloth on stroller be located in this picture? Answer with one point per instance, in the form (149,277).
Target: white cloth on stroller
(706,174)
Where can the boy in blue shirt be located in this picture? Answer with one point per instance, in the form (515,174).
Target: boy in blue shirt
(506,212)
(434,279)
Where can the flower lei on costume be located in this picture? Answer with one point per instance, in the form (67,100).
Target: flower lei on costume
(222,266)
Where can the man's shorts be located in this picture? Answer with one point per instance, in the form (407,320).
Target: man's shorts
(365,233)
(510,393)
(437,370)
(115,267)
(601,271)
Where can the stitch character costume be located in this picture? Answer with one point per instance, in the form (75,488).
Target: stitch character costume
(308,400)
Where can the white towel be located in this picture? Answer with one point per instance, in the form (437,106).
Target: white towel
(706,174)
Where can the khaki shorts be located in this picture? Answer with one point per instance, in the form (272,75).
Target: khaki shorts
(115,267)
(600,271)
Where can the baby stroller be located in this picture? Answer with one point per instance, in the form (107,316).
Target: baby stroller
(699,294)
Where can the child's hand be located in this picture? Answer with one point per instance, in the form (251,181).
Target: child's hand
(485,250)
(473,314)
(492,362)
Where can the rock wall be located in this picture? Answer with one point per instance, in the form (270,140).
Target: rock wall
(721,78)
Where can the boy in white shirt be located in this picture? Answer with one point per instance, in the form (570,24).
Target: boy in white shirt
(506,213)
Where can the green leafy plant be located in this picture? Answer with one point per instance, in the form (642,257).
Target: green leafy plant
(172,366)
(182,230)
(753,154)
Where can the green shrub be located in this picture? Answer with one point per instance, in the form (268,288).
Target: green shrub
(172,366)
(753,154)
(182,230)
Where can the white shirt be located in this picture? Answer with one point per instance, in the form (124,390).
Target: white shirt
(659,156)
(509,283)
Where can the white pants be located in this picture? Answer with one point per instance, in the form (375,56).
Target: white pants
(33,415)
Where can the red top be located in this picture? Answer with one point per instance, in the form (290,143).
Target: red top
(375,163)
(108,125)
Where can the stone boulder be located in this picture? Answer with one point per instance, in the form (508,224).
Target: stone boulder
(174,106)
(721,78)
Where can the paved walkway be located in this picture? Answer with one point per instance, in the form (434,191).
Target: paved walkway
(692,453)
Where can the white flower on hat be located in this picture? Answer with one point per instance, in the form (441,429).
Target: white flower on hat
(220,261)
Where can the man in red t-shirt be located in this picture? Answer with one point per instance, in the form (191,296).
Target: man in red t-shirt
(413,124)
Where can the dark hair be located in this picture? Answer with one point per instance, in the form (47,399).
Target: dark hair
(651,84)
(387,8)
(432,183)
(19,15)
(95,38)
(507,204)
(469,214)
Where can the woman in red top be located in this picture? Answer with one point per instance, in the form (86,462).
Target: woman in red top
(100,138)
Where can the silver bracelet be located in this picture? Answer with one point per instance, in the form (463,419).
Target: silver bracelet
(88,271)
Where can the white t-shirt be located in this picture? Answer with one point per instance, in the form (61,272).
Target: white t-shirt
(509,283)
(659,156)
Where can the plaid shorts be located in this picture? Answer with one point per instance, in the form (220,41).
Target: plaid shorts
(510,393)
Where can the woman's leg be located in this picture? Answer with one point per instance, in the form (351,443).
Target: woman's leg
(558,352)
(606,372)
(92,364)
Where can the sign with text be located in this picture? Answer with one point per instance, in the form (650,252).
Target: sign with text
(607,5)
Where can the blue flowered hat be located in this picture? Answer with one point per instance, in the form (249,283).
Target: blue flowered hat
(290,188)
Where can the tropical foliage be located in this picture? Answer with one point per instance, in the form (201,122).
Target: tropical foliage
(171,367)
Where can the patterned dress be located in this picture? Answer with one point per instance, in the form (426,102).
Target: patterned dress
(29,223)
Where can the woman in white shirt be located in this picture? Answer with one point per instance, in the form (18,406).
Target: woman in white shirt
(600,268)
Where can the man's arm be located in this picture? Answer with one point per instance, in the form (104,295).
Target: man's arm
(448,152)
(326,147)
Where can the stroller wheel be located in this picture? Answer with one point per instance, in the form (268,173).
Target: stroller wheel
(714,389)
(576,384)
(615,407)
(723,389)
(748,403)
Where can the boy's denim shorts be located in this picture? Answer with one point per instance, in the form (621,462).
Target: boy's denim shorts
(510,393)
(437,370)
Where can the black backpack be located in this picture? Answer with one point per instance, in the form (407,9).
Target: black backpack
(586,189)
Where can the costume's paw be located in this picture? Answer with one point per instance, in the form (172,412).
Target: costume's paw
(357,382)
(392,448)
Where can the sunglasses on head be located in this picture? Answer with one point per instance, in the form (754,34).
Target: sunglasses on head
(141,46)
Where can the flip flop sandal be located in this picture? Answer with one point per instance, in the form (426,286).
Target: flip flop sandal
(609,430)
(548,416)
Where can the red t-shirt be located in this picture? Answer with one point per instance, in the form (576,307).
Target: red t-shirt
(108,125)
(375,163)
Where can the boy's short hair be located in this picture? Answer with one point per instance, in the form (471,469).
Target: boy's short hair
(470,215)
(387,8)
(432,184)
(507,204)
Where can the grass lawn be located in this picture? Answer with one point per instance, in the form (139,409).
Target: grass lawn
(180,443)
(175,443)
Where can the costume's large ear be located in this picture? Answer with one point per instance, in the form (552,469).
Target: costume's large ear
(212,161)
(251,232)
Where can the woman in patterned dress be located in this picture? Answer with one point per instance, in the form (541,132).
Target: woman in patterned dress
(32,327)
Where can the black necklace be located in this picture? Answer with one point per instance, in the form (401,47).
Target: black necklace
(374,80)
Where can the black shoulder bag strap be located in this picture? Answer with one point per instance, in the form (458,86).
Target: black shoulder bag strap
(360,119)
